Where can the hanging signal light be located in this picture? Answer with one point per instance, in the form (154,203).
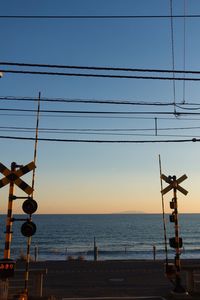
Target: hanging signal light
(174,244)
(29,206)
(172,204)
(28,228)
(172,218)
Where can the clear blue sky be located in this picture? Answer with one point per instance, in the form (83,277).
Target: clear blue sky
(100,178)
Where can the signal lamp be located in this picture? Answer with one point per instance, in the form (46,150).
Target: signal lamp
(172,218)
(172,204)
(7,267)
(29,206)
(28,228)
(174,244)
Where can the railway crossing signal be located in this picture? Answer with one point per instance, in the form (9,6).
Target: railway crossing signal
(14,176)
(7,268)
(175,242)
(28,228)
(29,207)
(174,184)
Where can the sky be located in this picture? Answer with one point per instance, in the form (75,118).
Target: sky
(74,178)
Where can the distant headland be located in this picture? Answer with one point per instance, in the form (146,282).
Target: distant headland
(128,212)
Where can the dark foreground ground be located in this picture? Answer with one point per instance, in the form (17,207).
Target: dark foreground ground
(73,279)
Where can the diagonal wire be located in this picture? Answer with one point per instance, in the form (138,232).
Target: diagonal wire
(36,140)
(102,68)
(163,214)
(29,239)
(100,75)
(172,49)
(184,48)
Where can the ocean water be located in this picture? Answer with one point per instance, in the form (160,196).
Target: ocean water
(125,236)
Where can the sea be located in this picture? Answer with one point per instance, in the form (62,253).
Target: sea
(117,237)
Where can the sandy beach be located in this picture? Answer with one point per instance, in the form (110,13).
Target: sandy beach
(70,279)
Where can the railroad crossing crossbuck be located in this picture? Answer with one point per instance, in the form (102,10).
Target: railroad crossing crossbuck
(174,184)
(14,176)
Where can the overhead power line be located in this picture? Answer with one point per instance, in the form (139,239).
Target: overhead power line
(97,16)
(103,131)
(184,48)
(95,112)
(172,50)
(110,133)
(92,130)
(101,112)
(101,141)
(99,101)
(88,101)
(102,68)
(176,118)
(97,75)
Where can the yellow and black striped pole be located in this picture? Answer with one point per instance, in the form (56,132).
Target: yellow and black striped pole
(9,221)
(8,232)
(178,287)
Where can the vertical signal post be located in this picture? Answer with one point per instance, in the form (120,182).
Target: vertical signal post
(9,221)
(33,205)
(175,242)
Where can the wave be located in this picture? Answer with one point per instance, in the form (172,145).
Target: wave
(117,237)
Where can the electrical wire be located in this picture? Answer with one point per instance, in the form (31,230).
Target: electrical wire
(64,130)
(102,68)
(101,112)
(180,118)
(98,101)
(96,16)
(191,108)
(107,133)
(103,102)
(173,58)
(100,141)
(97,75)
(29,239)
(184,48)
(87,101)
